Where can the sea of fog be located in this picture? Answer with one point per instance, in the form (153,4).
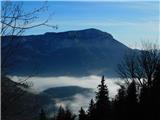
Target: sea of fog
(79,100)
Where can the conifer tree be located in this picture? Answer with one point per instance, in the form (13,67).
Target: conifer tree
(82,114)
(132,93)
(131,100)
(42,115)
(91,111)
(69,115)
(64,114)
(156,82)
(155,96)
(120,104)
(103,110)
(60,114)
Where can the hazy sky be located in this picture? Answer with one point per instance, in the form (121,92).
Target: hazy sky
(128,22)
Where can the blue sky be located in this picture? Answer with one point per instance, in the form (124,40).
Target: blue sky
(128,22)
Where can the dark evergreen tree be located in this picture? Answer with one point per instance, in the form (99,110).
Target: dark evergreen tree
(64,114)
(132,93)
(60,114)
(144,69)
(129,103)
(156,85)
(69,115)
(91,111)
(42,115)
(155,95)
(132,101)
(103,110)
(119,109)
(82,114)
(150,98)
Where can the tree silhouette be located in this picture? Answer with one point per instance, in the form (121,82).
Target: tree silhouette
(150,98)
(142,67)
(64,114)
(91,111)
(69,115)
(82,114)
(131,100)
(155,94)
(103,109)
(42,115)
(129,103)
(14,22)
(60,114)
(119,104)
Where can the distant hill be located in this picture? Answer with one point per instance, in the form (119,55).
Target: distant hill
(72,53)
(66,91)
(18,103)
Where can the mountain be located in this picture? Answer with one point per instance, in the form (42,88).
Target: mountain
(66,91)
(71,53)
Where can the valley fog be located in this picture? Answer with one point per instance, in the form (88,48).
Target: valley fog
(79,100)
(42,83)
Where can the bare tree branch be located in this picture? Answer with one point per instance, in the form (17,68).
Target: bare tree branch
(140,66)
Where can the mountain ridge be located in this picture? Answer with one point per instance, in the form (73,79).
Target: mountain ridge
(71,53)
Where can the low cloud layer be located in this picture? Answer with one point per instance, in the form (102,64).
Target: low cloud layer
(43,83)
(77,101)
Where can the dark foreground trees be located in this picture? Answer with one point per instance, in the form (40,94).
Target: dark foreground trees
(82,114)
(137,99)
(42,115)
(64,114)
(102,105)
(142,68)
(131,103)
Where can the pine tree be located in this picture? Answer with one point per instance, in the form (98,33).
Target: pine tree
(156,83)
(82,114)
(155,96)
(60,114)
(69,115)
(103,110)
(132,93)
(91,111)
(64,114)
(42,115)
(120,104)
(132,101)
(150,97)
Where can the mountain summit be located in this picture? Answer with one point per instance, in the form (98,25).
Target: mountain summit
(73,53)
